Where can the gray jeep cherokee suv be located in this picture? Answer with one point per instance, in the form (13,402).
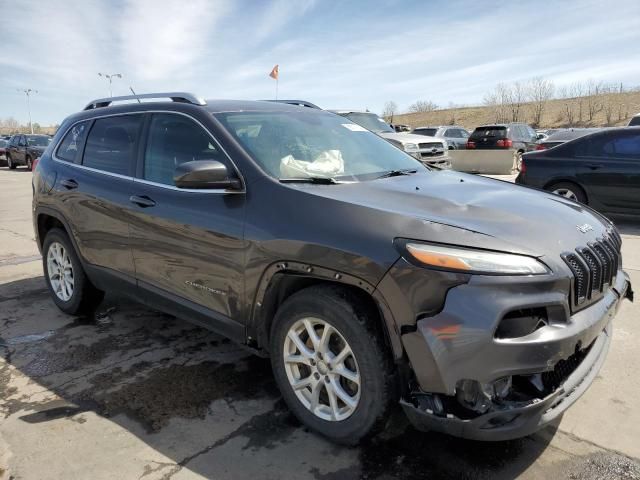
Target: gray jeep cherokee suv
(483,308)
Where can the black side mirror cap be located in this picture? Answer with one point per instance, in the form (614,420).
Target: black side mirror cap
(204,174)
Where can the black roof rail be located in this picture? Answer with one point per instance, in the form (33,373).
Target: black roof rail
(299,103)
(181,97)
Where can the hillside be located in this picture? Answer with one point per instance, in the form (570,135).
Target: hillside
(613,109)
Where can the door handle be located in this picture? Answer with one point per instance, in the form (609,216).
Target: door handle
(142,201)
(594,166)
(69,184)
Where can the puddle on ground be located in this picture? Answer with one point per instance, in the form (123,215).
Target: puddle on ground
(177,390)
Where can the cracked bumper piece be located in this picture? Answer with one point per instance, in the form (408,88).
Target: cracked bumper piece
(510,423)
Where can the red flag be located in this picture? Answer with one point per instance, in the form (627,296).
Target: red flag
(274,73)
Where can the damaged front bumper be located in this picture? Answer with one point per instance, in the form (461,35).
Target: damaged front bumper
(588,331)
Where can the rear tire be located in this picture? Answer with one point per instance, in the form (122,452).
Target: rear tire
(70,288)
(10,164)
(568,190)
(354,389)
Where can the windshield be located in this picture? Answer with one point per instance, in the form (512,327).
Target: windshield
(370,121)
(312,144)
(427,132)
(38,141)
(635,121)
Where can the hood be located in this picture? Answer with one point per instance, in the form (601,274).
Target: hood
(37,148)
(409,137)
(468,210)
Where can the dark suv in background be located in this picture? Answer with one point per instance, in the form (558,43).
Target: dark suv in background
(25,149)
(367,277)
(512,136)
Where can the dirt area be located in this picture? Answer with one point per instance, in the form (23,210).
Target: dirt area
(553,116)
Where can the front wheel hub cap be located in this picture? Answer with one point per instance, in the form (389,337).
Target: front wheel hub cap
(322,369)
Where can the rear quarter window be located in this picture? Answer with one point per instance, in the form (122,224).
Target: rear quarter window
(112,144)
(72,142)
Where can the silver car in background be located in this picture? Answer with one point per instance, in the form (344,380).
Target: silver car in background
(432,152)
(455,136)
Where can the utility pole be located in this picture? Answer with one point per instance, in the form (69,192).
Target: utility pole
(28,92)
(110,77)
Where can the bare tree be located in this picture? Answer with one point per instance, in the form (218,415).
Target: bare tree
(567,106)
(498,102)
(515,97)
(390,109)
(576,90)
(422,106)
(593,101)
(539,92)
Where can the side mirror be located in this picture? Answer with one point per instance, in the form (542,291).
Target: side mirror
(201,174)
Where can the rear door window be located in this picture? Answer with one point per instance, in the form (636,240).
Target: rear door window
(72,143)
(453,133)
(112,144)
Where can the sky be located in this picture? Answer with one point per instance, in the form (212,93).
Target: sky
(337,54)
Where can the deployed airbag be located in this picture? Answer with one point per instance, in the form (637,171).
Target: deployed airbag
(328,164)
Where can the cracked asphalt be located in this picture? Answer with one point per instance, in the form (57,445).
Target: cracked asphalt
(135,394)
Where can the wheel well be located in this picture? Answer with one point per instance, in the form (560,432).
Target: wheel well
(46,223)
(283,285)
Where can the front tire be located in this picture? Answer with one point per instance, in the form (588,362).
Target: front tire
(10,164)
(67,282)
(29,164)
(330,363)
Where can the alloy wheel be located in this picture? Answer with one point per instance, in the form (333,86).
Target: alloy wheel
(565,192)
(60,270)
(322,369)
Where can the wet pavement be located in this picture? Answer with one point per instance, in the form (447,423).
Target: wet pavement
(133,393)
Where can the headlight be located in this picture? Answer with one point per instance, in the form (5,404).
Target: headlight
(410,147)
(462,259)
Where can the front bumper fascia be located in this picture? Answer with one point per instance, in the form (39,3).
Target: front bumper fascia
(516,422)
(476,356)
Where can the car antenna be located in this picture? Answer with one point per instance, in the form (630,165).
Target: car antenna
(134,93)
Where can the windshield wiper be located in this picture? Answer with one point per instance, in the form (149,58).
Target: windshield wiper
(397,173)
(316,180)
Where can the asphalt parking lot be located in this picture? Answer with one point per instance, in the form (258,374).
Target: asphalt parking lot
(132,393)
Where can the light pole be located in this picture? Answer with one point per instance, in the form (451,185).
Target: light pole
(28,92)
(110,77)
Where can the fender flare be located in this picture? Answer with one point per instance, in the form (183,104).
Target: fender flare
(60,217)
(255,327)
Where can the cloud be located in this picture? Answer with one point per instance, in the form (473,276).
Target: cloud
(162,40)
(336,54)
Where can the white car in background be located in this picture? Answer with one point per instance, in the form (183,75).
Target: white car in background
(431,151)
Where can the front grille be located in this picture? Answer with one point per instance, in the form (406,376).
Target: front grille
(430,145)
(431,154)
(594,267)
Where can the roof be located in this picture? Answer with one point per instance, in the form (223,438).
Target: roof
(342,111)
(570,134)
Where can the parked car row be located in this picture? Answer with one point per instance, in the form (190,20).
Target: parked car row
(24,149)
(433,152)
